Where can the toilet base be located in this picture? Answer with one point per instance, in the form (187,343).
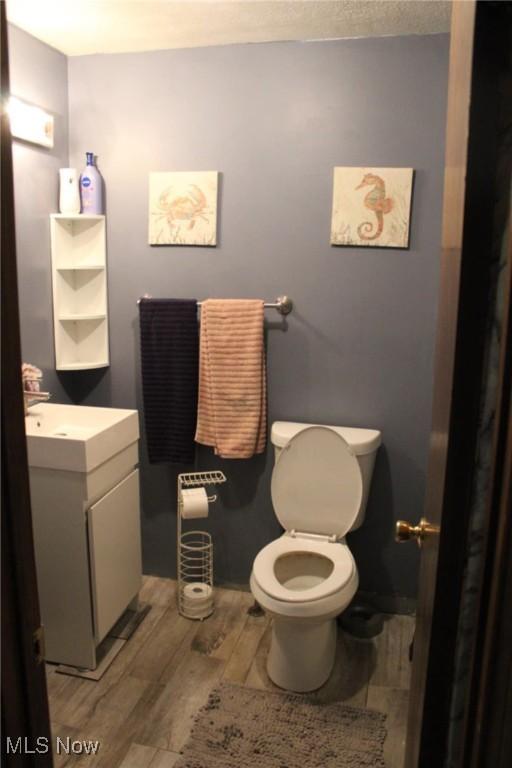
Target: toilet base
(302,653)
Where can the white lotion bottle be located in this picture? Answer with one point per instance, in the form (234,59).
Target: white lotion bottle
(69,194)
(91,187)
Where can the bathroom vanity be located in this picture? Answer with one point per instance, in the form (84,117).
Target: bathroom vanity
(84,486)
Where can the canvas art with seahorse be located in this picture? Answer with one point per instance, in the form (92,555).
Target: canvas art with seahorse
(371,206)
(183,208)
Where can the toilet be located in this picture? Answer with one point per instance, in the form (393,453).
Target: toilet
(305,578)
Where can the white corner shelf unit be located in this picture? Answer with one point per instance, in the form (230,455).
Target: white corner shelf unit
(79,280)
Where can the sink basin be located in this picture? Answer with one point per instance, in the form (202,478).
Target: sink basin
(77,438)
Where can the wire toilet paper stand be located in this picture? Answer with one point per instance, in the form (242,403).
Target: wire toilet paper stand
(195,553)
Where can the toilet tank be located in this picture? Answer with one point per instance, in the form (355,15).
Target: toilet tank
(364,444)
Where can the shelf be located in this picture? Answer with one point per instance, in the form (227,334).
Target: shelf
(77,241)
(79,281)
(78,216)
(82,366)
(82,267)
(191,479)
(73,318)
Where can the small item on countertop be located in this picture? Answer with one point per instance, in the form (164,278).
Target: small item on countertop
(31,377)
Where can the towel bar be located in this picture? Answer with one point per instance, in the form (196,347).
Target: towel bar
(283,304)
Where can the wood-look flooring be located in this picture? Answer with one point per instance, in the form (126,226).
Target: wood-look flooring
(143,708)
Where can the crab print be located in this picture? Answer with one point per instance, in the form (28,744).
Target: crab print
(183,213)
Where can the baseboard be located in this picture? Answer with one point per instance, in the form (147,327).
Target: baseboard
(230,585)
(405,606)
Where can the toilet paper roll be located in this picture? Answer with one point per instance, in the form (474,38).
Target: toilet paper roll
(197,600)
(197,592)
(194,503)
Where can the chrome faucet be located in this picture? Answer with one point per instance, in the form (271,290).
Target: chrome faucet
(30,397)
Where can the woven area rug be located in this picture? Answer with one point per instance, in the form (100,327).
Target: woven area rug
(244,728)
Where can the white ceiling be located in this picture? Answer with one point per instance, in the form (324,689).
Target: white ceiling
(78,27)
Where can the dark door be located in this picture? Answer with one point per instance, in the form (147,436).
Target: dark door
(475,195)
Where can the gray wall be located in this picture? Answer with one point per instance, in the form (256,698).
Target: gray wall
(357,350)
(39,74)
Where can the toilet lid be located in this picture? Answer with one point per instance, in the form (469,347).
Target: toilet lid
(316,483)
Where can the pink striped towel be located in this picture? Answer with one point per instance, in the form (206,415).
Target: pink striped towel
(232,410)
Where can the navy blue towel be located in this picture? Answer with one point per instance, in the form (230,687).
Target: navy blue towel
(169,341)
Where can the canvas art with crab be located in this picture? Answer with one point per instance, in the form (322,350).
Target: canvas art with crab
(183,208)
(371,206)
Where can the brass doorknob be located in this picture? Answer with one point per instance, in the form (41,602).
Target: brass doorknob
(405,531)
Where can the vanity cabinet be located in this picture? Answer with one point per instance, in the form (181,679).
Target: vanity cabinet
(79,282)
(87,548)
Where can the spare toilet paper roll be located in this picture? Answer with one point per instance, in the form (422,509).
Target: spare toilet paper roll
(197,600)
(194,503)
(197,592)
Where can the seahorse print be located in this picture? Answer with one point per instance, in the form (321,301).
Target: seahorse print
(377,202)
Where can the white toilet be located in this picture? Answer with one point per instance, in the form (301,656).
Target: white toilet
(304,579)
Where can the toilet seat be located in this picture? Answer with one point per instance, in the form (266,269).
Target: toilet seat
(339,555)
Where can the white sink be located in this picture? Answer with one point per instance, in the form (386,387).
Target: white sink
(77,438)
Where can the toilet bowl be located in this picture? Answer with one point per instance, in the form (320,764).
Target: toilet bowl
(308,576)
(303,584)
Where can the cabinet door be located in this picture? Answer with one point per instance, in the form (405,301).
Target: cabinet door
(114,552)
